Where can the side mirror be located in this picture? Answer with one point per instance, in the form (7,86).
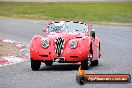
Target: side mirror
(44,31)
(92,33)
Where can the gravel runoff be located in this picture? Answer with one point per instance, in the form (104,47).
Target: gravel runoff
(7,48)
(116,58)
(15,52)
(67,0)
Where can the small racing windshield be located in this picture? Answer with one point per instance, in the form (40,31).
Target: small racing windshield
(70,26)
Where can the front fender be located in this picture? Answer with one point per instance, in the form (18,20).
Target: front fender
(34,45)
(82,49)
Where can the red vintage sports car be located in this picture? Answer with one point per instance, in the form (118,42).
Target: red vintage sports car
(65,42)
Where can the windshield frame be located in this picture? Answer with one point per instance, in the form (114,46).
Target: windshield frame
(64,27)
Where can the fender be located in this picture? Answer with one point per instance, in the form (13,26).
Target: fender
(95,48)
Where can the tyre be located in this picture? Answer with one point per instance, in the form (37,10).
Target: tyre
(95,63)
(48,63)
(35,65)
(86,64)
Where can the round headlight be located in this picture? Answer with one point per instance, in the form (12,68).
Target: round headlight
(73,44)
(45,43)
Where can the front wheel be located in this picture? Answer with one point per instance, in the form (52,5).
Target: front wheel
(86,64)
(35,65)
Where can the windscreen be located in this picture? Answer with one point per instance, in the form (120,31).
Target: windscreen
(63,26)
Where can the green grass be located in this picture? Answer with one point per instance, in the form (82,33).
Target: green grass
(118,12)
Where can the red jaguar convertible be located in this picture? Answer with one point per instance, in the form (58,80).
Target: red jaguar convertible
(65,42)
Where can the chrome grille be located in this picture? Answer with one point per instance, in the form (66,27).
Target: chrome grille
(59,46)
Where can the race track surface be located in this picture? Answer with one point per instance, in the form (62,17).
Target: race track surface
(116,48)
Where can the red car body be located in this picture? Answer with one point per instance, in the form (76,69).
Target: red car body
(63,45)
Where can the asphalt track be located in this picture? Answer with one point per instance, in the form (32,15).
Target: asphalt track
(116,47)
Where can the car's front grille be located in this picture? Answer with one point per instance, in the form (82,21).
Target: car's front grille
(74,57)
(43,55)
(59,46)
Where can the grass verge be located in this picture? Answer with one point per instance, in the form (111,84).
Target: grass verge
(95,12)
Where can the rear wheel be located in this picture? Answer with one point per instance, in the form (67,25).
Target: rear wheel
(35,65)
(48,63)
(86,64)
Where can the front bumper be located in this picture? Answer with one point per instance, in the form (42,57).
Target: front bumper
(66,56)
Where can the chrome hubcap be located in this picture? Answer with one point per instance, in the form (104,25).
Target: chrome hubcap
(89,60)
